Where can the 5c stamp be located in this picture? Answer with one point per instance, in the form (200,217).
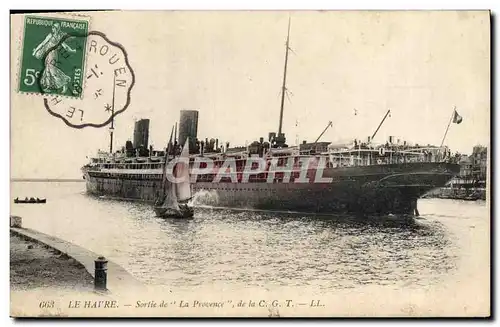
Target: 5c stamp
(53,56)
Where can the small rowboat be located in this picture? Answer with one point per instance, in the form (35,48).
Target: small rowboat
(30,200)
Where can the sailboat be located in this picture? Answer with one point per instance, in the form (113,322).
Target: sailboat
(173,202)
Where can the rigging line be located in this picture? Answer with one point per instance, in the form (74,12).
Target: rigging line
(283,87)
(288,96)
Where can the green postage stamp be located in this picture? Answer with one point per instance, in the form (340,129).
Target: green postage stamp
(53,56)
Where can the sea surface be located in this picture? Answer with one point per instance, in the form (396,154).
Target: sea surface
(233,250)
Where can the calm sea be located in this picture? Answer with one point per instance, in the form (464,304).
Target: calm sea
(243,249)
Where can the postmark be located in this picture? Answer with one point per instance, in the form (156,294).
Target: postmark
(105,88)
(53,56)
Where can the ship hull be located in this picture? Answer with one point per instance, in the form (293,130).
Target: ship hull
(182,213)
(377,189)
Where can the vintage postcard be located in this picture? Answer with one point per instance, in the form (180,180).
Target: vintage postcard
(250,164)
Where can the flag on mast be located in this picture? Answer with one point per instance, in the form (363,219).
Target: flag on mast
(457,119)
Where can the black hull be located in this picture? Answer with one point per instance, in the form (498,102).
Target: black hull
(378,189)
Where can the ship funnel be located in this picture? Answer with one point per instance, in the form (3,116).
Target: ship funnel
(188,127)
(141,133)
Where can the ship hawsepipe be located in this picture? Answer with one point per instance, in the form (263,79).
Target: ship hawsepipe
(392,188)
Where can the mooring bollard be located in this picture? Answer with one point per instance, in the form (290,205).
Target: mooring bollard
(101,273)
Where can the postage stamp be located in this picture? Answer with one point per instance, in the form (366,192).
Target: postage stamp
(53,56)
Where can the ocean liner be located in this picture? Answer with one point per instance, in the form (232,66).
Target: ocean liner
(321,177)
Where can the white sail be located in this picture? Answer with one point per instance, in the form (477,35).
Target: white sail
(168,197)
(164,172)
(182,173)
(170,200)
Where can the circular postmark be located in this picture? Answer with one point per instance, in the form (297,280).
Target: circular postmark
(93,95)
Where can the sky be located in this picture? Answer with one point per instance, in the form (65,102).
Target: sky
(229,66)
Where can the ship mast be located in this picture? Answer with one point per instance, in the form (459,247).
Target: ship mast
(280,141)
(112,128)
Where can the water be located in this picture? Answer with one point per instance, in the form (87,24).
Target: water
(233,250)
